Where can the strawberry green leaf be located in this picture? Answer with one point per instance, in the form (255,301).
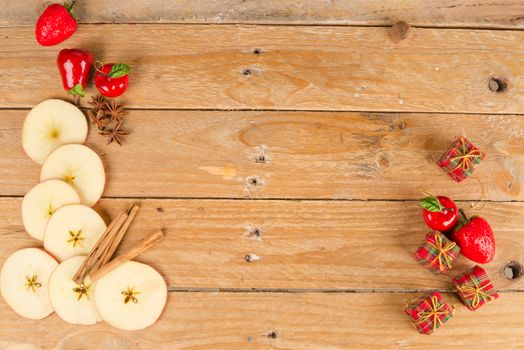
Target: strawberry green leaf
(70,9)
(431,203)
(77,90)
(119,70)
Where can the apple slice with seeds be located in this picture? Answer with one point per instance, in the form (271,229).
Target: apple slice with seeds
(80,167)
(24,282)
(42,201)
(73,230)
(73,303)
(131,297)
(51,124)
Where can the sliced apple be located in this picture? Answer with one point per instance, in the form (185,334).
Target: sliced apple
(24,282)
(131,297)
(80,167)
(51,124)
(73,230)
(42,201)
(73,303)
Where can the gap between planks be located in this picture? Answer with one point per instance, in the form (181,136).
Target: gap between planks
(284,199)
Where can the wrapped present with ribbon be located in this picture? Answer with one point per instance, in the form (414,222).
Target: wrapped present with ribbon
(429,312)
(460,161)
(475,288)
(437,252)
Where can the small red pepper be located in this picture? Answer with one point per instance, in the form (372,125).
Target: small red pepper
(74,66)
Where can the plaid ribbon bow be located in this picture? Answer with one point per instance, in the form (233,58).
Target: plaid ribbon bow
(443,251)
(477,292)
(467,156)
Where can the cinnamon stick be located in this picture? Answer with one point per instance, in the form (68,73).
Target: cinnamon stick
(99,247)
(108,254)
(134,251)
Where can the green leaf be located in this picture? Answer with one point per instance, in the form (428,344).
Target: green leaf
(70,9)
(77,90)
(119,70)
(431,203)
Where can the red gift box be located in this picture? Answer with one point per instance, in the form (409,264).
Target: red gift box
(474,288)
(437,252)
(429,312)
(460,161)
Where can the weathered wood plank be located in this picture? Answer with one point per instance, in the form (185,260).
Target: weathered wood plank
(290,155)
(239,321)
(295,67)
(301,245)
(442,13)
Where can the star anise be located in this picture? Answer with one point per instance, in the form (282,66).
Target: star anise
(116,134)
(98,118)
(98,103)
(114,111)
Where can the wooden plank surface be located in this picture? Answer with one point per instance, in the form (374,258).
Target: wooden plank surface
(442,13)
(290,155)
(239,321)
(301,245)
(295,67)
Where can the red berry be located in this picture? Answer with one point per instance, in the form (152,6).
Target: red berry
(476,240)
(74,66)
(55,25)
(112,79)
(440,213)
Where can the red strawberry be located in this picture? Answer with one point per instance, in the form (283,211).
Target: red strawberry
(475,239)
(55,24)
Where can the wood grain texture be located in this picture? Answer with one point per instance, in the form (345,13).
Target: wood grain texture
(302,245)
(442,13)
(239,321)
(290,155)
(295,67)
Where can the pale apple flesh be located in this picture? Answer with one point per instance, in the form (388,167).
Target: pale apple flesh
(24,282)
(80,167)
(131,297)
(51,124)
(42,201)
(73,303)
(73,230)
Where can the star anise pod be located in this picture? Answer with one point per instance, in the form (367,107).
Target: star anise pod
(116,134)
(114,111)
(98,118)
(98,103)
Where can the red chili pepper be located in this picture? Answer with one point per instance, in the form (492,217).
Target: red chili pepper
(74,66)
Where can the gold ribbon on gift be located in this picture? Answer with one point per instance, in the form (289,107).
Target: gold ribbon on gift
(477,291)
(443,251)
(434,312)
(464,157)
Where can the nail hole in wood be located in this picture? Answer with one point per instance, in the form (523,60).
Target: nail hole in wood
(513,270)
(260,159)
(255,232)
(273,335)
(247,71)
(252,181)
(402,125)
(498,84)
(257,51)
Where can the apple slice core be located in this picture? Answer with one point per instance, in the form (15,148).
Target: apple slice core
(51,124)
(80,167)
(73,303)
(73,230)
(131,297)
(24,282)
(42,201)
